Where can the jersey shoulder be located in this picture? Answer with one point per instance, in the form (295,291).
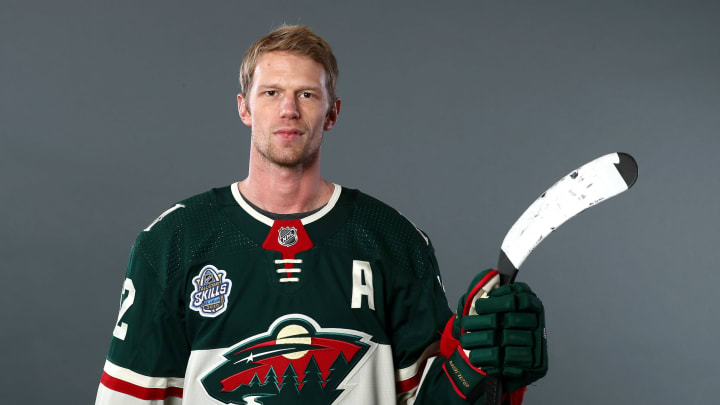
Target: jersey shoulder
(386,220)
(187,232)
(380,230)
(188,215)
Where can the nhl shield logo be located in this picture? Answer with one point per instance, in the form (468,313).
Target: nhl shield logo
(212,290)
(287,236)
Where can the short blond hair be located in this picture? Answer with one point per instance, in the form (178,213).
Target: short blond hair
(299,40)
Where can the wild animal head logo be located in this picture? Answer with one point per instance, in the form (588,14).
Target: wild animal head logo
(296,361)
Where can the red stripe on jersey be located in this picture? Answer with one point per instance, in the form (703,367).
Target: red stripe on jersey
(407,385)
(137,391)
(412,382)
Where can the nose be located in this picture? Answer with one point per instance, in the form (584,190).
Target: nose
(288,106)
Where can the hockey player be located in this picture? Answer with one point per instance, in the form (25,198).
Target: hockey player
(284,288)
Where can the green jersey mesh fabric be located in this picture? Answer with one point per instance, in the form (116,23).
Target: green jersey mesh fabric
(377,229)
(190,234)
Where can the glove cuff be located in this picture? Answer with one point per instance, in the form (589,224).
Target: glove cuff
(465,378)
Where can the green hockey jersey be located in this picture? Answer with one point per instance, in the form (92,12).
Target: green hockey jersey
(224,305)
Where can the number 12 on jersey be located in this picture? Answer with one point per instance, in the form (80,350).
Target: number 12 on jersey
(125,303)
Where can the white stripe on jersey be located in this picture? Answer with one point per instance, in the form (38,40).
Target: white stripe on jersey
(142,380)
(107,396)
(410,400)
(412,370)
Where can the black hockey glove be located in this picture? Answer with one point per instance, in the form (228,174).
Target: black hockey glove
(501,334)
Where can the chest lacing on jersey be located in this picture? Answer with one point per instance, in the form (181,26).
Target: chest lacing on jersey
(288,270)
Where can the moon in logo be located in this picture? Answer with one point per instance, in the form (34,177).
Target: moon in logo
(294,334)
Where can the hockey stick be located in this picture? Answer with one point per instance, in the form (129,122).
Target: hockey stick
(587,186)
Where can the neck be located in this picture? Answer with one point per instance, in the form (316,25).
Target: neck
(285,190)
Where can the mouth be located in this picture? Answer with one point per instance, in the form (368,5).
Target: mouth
(288,134)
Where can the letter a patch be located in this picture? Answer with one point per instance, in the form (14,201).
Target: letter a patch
(362,284)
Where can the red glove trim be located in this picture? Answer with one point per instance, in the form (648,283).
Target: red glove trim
(452,383)
(467,360)
(517,396)
(448,343)
(478,286)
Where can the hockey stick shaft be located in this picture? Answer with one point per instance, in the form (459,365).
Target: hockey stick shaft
(587,186)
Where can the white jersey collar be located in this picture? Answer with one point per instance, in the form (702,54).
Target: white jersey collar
(269,221)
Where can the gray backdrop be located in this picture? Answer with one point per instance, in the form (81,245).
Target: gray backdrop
(458,114)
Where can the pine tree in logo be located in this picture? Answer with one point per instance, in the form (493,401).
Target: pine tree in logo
(296,360)
(271,380)
(255,382)
(289,391)
(313,382)
(338,370)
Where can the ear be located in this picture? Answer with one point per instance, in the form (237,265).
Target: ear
(332,115)
(243,110)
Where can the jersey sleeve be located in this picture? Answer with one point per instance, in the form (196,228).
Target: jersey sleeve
(149,350)
(419,314)
(430,381)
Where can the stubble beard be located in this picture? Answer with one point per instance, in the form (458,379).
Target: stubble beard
(288,156)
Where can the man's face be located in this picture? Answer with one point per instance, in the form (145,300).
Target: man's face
(287,108)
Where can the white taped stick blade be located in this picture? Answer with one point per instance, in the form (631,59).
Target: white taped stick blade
(583,188)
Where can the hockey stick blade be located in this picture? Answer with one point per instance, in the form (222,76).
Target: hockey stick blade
(585,187)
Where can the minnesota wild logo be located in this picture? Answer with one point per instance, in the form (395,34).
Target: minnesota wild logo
(295,361)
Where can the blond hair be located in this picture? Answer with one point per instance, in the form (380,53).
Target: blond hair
(299,40)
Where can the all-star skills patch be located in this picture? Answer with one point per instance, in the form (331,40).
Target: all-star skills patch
(212,290)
